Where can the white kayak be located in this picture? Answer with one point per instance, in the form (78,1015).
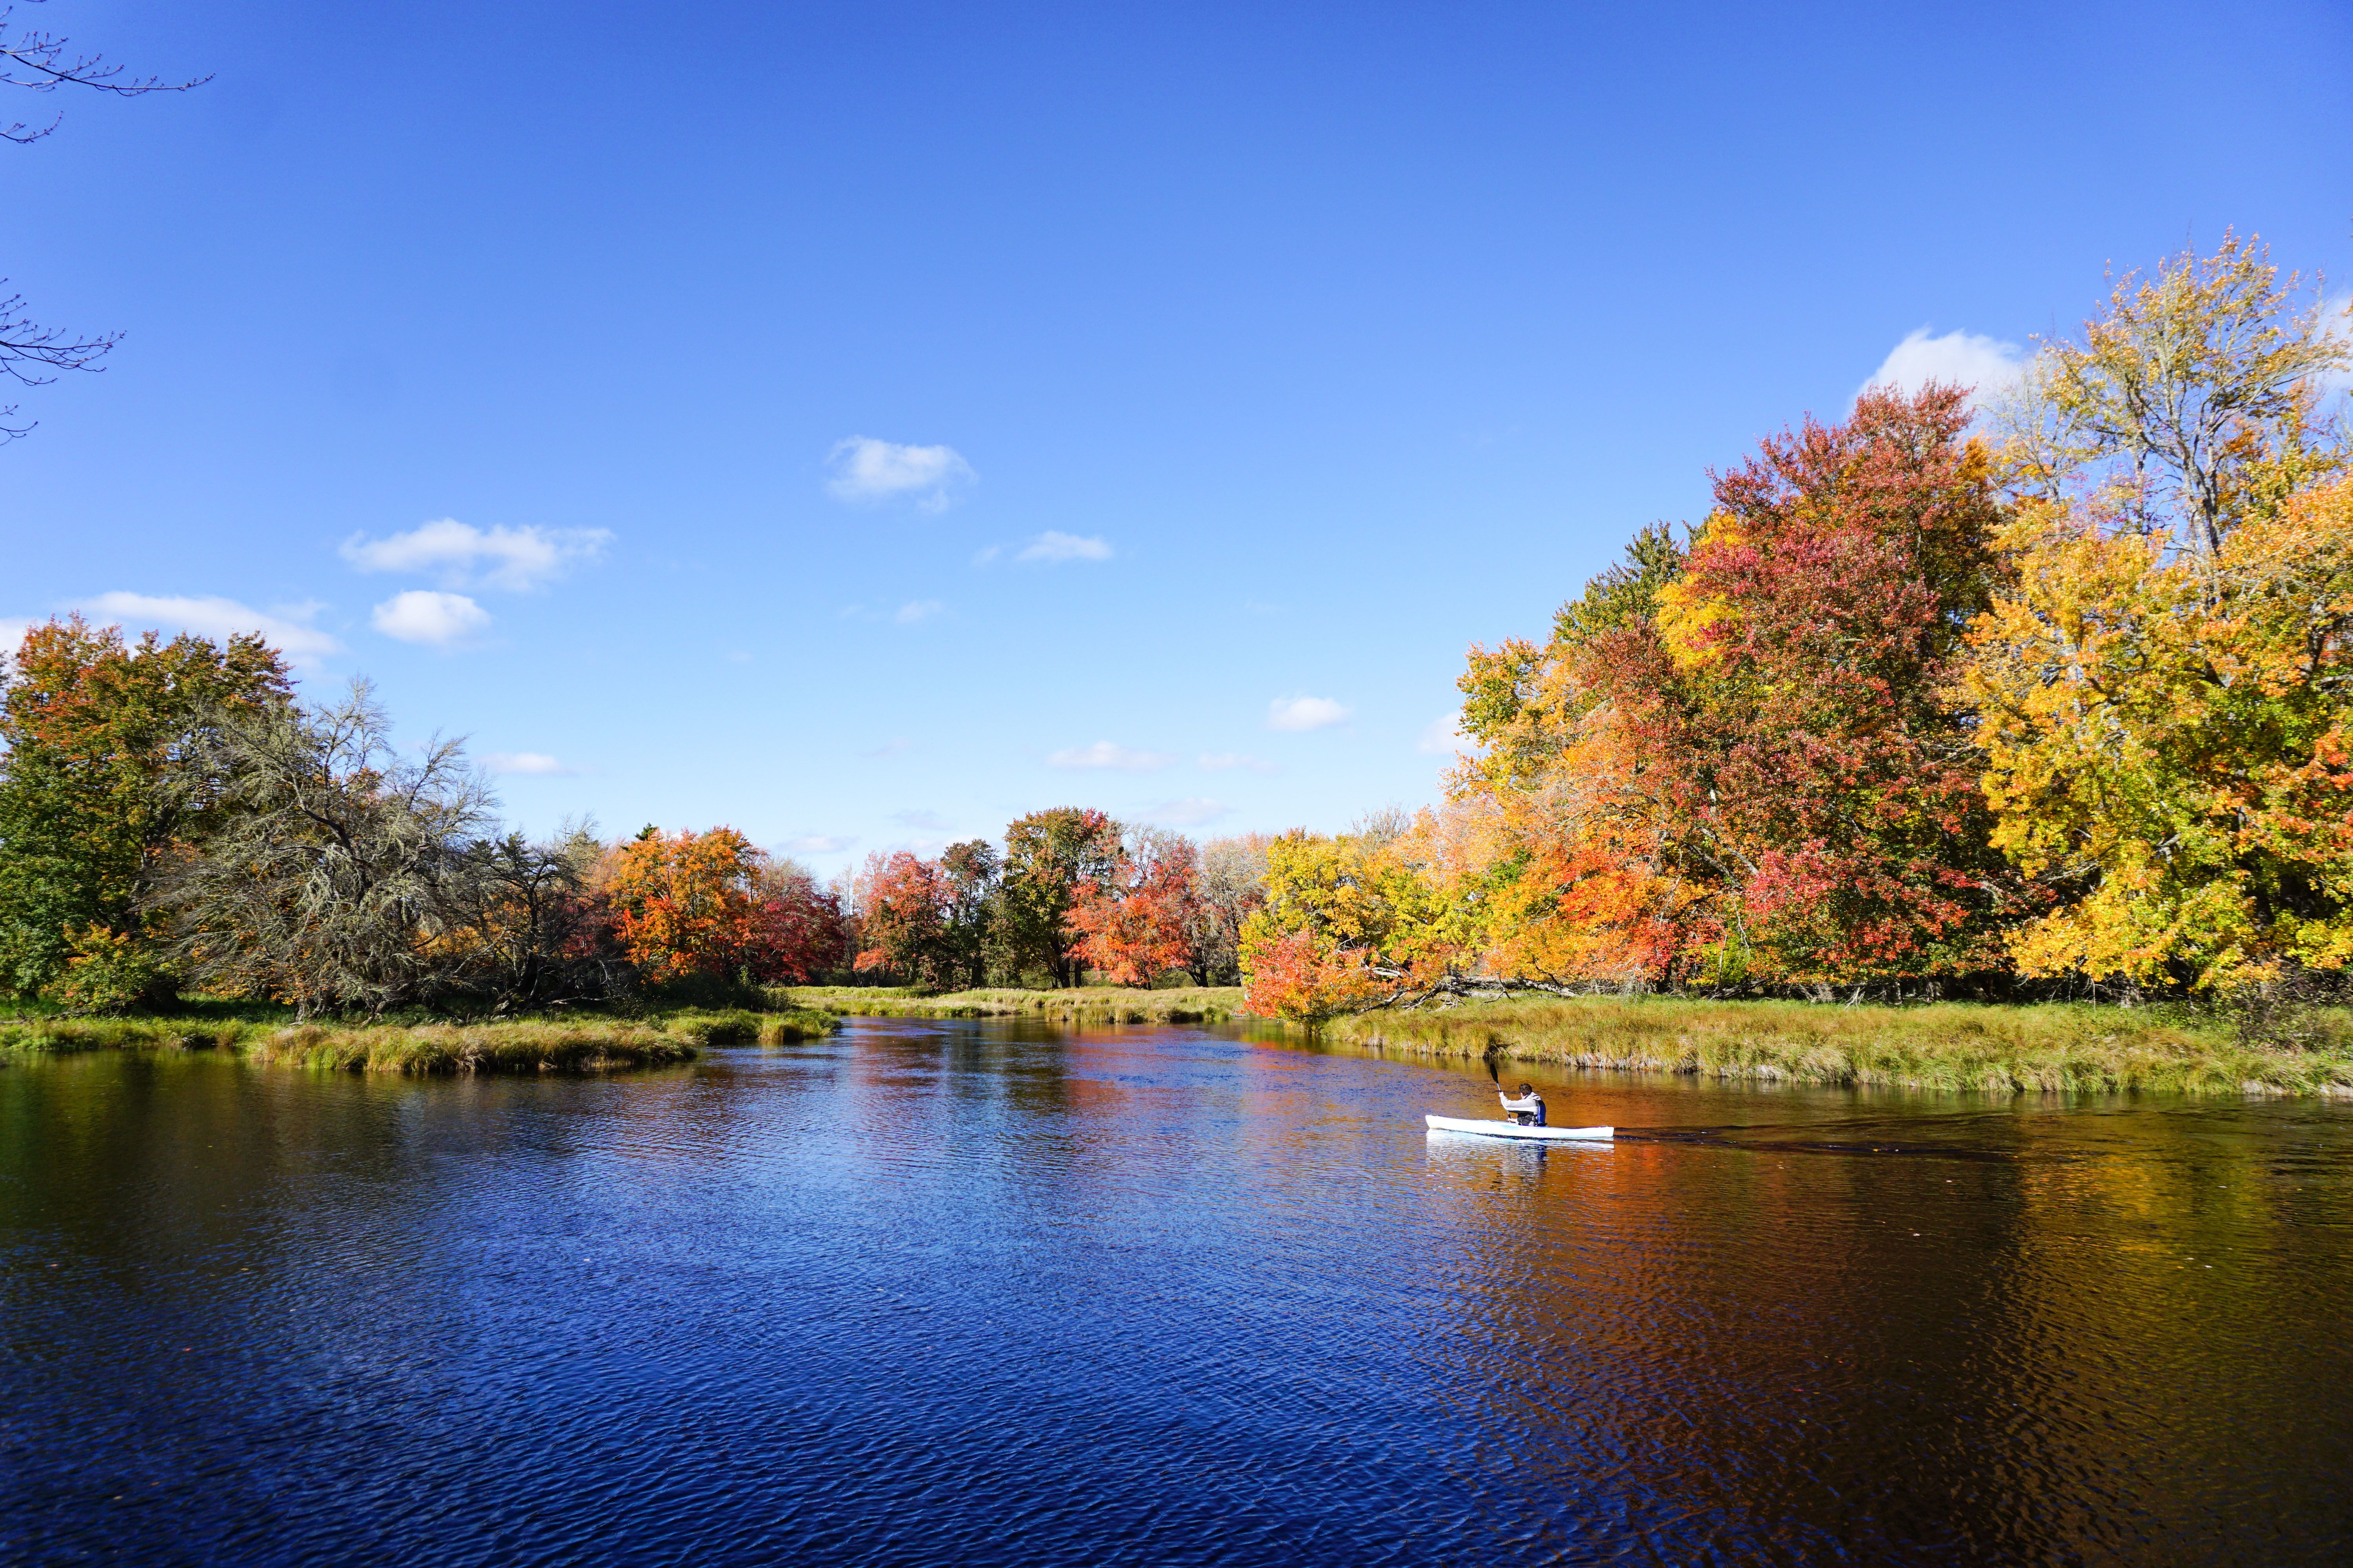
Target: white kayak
(1514,1129)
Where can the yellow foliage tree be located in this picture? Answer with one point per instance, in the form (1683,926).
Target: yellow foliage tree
(2162,691)
(2167,739)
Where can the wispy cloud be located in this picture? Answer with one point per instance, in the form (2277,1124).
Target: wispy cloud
(11,634)
(1108,754)
(1443,736)
(818,844)
(1051,547)
(286,627)
(525,763)
(1218,761)
(1983,364)
(887,748)
(432,619)
(987,554)
(2337,321)
(932,820)
(1188,813)
(1304,713)
(916,610)
(868,470)
(462,555)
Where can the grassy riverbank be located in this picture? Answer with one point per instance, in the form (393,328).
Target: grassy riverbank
(581,1044)
(1091,1004)
(1955,1046)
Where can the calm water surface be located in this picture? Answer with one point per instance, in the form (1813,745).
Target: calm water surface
(968,1292)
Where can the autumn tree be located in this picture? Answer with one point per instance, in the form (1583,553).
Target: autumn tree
(2196,401)
(2163,688)
(702,904)
(1741,760)
(904,920)
(1360,919)
(1231,887)
(1047,855)
(798,928)
(107,769)
(1134,922)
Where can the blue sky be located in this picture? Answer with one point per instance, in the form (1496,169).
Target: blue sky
(860,425)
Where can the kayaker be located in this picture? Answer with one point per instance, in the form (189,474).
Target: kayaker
(1527,1109)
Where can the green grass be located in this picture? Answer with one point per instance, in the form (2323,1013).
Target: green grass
(578,1045)
(1949,1046)
(1097,1004)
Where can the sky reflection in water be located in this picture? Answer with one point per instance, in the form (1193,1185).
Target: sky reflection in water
(987,1292)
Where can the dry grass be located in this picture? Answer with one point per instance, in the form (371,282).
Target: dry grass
(1094,1004)
(1955,1046)
(471,1047)
(518,1046)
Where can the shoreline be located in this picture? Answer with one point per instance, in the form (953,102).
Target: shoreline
(1094,1004)
(1960,1048)
(430,1049)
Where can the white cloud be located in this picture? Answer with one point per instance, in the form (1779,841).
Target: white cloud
(1443,736)
(1303,713)
(932,820)
(1050,546)
(1981,363)
(982,557)
(1105,755)
(437,620)
(866,469)
(1191,813)
(915,610)
(524,762)
(1217,761)
(461,555)
(2337,321)
(11,634)
(285,627)
(818,844)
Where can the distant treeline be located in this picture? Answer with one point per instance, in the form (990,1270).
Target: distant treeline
(172,819)
(2055,707)
(1070,891)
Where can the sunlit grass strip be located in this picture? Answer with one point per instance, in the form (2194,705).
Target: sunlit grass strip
(1102,1004)
(1953,1047)
(436,1048)
(588,1045)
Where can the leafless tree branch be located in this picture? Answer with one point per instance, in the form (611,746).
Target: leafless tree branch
(44,62)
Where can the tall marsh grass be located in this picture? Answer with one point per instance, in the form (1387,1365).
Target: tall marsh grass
(1952,1045)
(513,1045)
(1094,1004)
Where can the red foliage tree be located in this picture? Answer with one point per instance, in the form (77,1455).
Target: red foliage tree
(1135,923)
(904,906)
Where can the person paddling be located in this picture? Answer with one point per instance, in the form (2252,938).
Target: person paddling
(1527,1109)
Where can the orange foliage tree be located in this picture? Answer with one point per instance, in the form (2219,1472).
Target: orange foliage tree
(713,903)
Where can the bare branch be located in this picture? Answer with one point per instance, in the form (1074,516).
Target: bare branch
(44,62)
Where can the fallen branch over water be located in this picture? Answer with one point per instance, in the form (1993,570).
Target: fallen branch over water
(1952,1045)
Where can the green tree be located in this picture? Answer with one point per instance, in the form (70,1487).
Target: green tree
(1047,855)
(103,775)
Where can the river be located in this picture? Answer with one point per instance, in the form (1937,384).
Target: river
(950,1291)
